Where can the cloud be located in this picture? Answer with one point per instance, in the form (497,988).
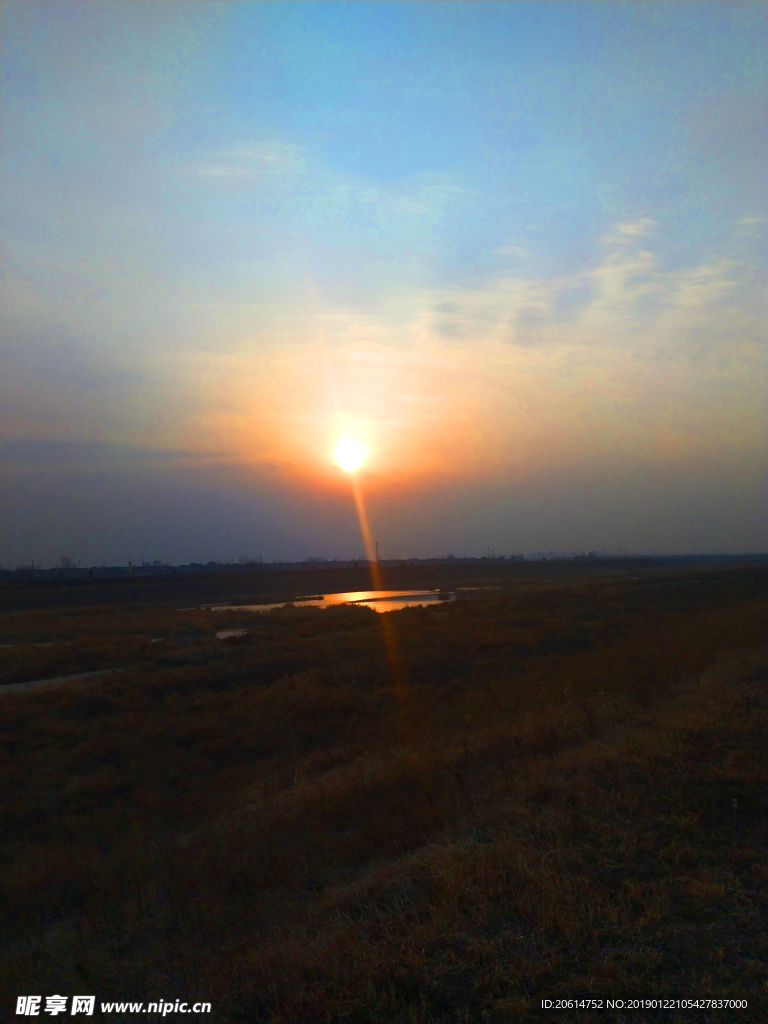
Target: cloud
(419,198)
(630,300)
(513,250)
(254,161)
(644,226)
(36,452)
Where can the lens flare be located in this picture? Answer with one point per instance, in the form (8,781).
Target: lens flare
(349,454)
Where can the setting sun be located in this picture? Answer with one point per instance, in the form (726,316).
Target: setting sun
(349,454)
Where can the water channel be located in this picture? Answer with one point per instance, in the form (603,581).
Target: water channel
(378,600)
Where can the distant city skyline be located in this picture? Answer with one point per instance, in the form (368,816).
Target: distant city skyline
(515,250)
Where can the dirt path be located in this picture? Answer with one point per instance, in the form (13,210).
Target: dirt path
(56,680)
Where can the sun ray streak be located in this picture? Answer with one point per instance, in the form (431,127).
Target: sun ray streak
(394,654)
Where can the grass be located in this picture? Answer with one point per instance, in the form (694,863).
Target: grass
(561,791)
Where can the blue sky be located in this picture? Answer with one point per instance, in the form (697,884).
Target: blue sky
(495,241)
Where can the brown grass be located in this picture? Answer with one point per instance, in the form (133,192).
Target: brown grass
(567,799)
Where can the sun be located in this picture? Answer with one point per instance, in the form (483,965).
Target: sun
(349,454)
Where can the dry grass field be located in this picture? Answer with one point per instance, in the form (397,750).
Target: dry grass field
(552,788)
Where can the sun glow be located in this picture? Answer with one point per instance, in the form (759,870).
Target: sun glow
(349,454)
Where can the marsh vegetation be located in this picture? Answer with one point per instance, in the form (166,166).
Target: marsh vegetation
(552,786)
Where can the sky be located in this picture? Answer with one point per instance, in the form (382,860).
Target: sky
(516,250)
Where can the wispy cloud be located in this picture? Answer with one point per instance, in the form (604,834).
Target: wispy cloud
(28,452)
(643,226)
(514,250)
(630,299)
(419,198)
(625,299)
(253,161)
